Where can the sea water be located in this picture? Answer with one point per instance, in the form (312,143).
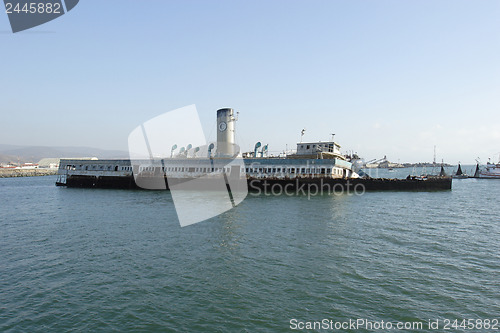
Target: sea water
(118,260)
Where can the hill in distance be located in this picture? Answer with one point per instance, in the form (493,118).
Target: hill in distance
(23,154)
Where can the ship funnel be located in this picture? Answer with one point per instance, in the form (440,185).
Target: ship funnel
(225,133)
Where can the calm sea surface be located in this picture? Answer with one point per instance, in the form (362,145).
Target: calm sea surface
(116,260)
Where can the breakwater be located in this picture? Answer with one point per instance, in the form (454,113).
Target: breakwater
(7,173)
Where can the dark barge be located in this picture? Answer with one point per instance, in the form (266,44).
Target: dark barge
(258,184)
(314,166)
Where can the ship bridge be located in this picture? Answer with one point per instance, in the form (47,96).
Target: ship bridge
(318,150)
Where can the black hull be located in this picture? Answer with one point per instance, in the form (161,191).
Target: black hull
(297,185)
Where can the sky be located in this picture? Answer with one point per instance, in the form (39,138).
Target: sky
(392,78)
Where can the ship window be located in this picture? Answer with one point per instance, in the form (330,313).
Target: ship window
(116,168)
(292,170)
(86,167)
(191,169)
(302,146)
(307,147)
(314,146)
(274,170)
(328,171)
(322,171)
(303,170)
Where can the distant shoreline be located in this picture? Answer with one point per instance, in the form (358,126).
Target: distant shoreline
(8,173)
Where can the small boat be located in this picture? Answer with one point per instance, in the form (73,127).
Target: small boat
(459,174)
(442,173)
(491,171)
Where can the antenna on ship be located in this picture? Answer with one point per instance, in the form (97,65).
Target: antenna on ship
(333,135)
(302,134)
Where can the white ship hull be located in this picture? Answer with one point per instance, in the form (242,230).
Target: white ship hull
(491,171)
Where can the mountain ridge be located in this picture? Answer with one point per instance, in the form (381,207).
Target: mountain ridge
(23,154)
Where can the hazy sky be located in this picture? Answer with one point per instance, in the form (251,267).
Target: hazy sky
(388,78)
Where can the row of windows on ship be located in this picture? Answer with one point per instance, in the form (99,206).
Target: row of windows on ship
(328,146)
(260,170)
(248,170)
(98,167)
